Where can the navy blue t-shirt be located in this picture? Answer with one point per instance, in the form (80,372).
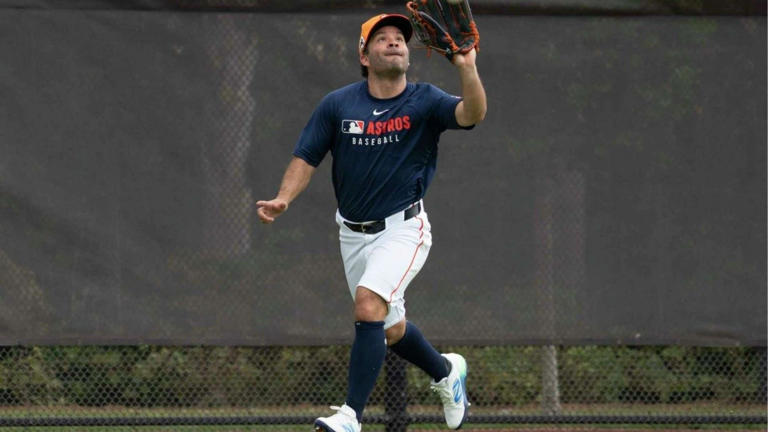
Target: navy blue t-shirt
(384,150)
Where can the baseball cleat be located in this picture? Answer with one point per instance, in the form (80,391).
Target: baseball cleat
(345,420)
(453,391)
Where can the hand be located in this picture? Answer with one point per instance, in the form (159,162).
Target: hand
(269,210)
(467,59)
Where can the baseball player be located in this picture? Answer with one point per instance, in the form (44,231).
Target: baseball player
(383,133)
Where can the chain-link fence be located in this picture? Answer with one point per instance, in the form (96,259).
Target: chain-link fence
(150,385)
(606,266)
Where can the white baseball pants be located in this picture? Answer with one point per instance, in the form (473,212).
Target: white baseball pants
(386,262)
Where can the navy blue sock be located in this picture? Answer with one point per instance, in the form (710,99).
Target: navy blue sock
(415,348)
(365,362)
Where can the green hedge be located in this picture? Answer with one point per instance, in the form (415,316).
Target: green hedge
(150,376)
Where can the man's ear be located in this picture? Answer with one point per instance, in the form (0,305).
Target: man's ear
(364,60)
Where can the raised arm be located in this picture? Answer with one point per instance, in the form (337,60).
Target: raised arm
(471,110)
(295,180)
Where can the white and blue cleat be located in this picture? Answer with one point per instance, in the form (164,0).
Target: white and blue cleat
(345,420)
(453,391)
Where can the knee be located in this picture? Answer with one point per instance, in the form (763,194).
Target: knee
(395,333)
(369,306)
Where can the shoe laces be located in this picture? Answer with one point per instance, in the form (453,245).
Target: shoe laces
(443,390)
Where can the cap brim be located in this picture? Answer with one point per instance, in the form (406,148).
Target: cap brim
(400,21)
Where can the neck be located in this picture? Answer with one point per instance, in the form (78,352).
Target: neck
(385,88)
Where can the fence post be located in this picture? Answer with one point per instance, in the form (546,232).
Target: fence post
(550,388)
(396,399)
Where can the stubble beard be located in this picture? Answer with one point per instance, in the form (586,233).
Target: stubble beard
(392,70)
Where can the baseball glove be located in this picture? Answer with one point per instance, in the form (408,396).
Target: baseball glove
(445,26)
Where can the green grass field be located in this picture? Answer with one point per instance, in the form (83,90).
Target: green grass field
(412,428)
(69,412)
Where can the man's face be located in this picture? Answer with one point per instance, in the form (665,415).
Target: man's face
(386,53)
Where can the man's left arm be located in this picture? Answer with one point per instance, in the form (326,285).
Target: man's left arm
(471,110)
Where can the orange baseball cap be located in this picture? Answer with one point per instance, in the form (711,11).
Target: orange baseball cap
(369,27)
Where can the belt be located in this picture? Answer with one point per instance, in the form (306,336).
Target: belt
(379,226)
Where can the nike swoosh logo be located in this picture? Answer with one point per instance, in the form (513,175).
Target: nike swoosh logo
(375,112)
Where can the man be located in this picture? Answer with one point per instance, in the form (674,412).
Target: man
(383,133)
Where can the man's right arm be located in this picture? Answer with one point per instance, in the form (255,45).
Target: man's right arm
(295,180)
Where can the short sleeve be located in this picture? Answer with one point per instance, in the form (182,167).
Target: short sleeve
(316,137)
(445,110)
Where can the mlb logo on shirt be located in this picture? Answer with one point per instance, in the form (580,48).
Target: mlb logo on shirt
(352,126)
